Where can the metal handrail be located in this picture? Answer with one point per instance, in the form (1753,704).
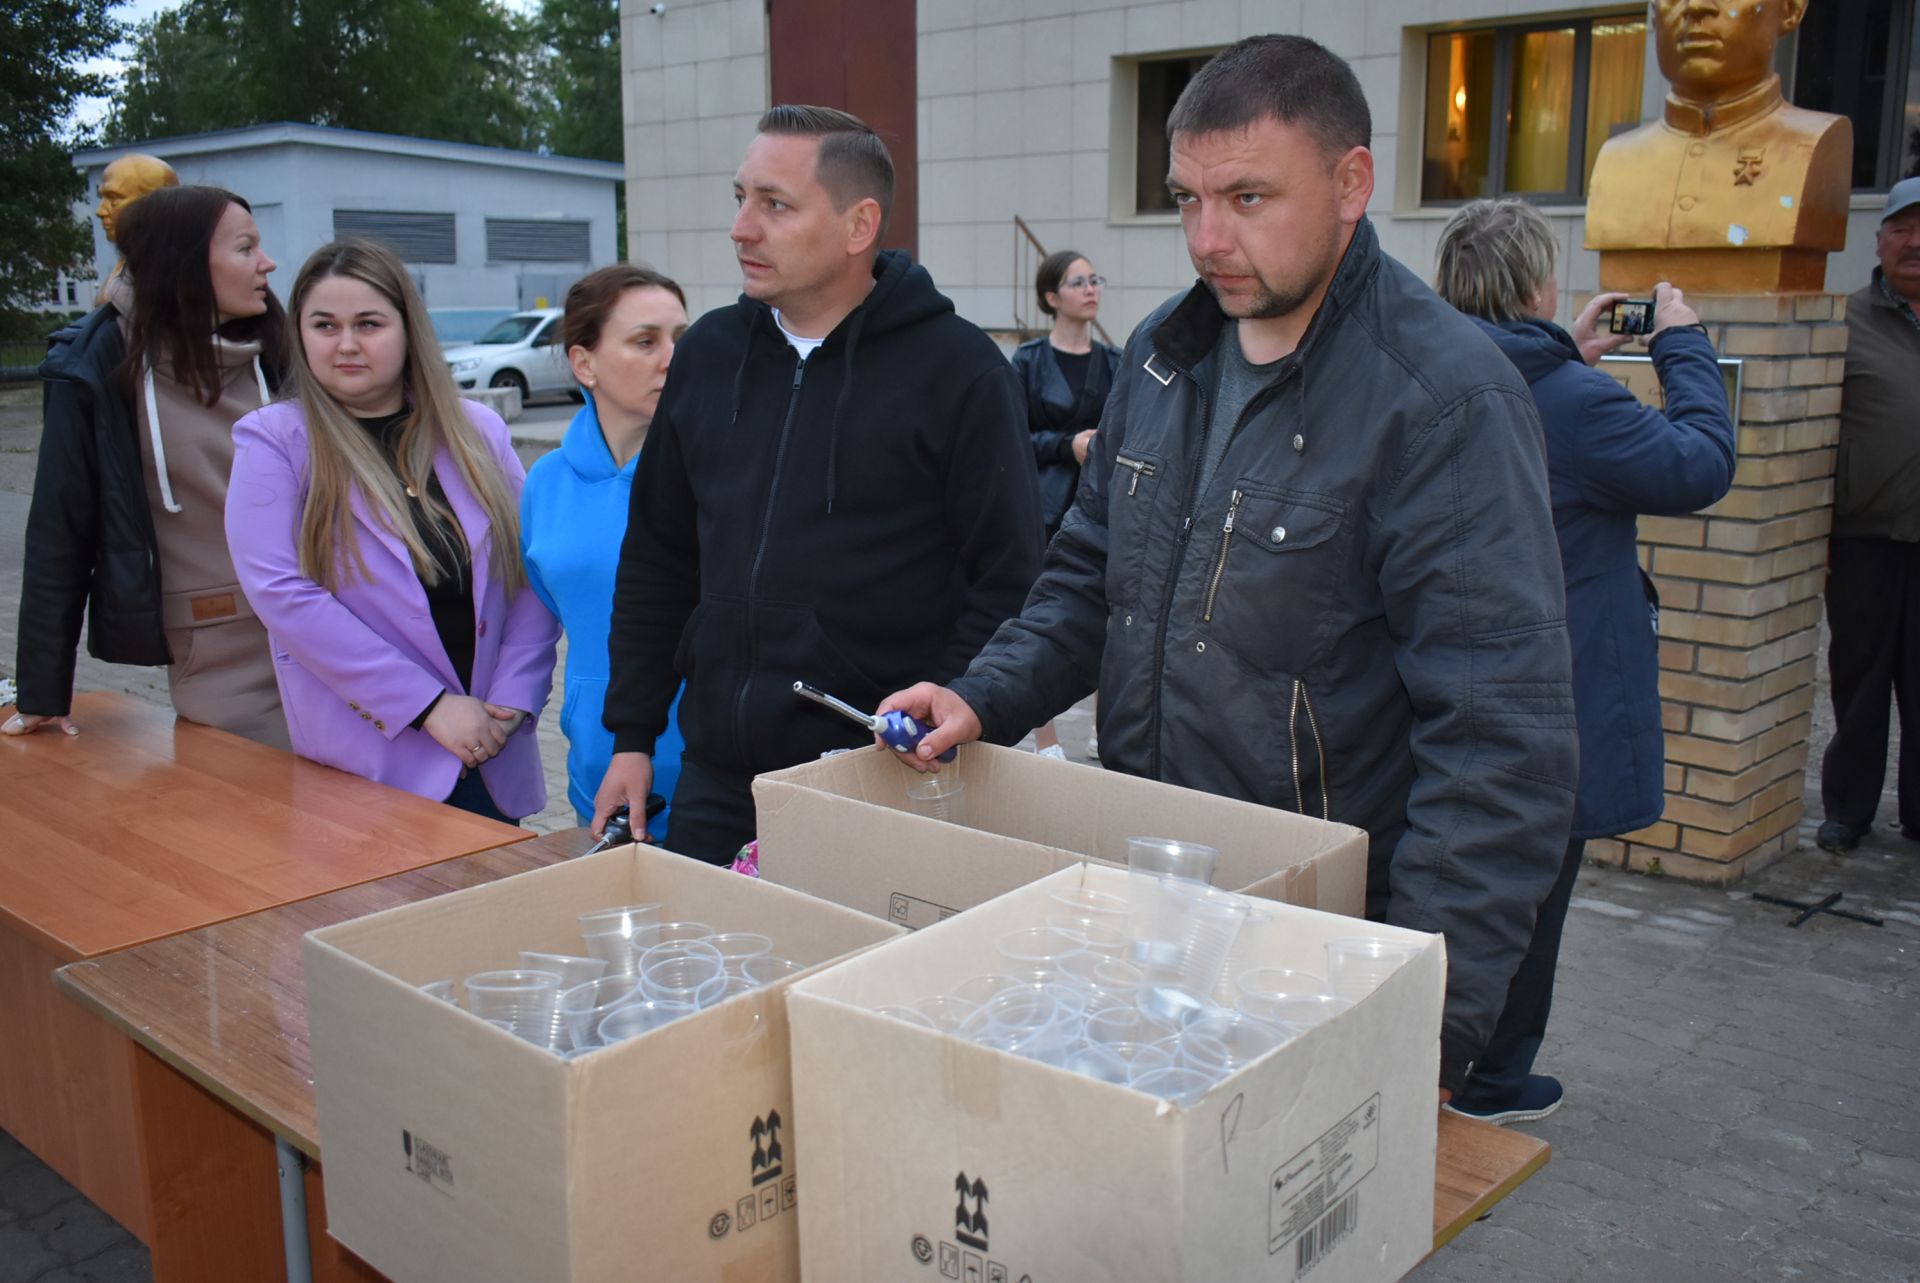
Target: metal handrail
(1027,246)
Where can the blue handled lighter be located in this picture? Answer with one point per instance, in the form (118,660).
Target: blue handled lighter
(899,731)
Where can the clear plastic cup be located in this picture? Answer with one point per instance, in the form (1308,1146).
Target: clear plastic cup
(632,1019)
(939,797)
(767,970)
(1356,967)
(1255,932)
(1127,1025)
(1097,1060)
(520,1001)
(441,989)
(1298,1013)
(737,946)
(609,933)
(1256,988)
(1150,863)
(689,971)
(1109,979)
(584,1006)
(1035,954)
(735,986)
(1175,1083)
(1141,1057)
(1225,1042)
(1098,918)
(659,933)
(1199,924)
(571,969)
(1014,1018)
(981,988)
(946,1012)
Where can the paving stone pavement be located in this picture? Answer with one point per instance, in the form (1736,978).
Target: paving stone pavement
(1740,1093)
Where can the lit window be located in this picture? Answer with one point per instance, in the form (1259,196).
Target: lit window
(1524,110)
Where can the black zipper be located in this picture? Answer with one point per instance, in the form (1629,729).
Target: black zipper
(1220,566)
(759,555)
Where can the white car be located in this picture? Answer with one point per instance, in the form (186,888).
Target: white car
(523,351)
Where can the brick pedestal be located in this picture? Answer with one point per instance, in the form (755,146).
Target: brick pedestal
(1740,600)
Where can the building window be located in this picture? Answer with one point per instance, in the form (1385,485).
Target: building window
(538,240)
(417,238)
(1861,60)
(1523,110)
(1158,85)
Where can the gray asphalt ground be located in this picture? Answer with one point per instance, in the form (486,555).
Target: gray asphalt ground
(1740,1093)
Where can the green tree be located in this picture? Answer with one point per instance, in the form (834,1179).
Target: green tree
(457,70)
(582,116)
(40,80)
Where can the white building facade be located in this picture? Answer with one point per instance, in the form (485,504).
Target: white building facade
(478,226)
(1052,112)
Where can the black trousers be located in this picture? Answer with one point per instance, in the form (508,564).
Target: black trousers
(471,794)
(1502,1069)
(1873,608)
(712,815)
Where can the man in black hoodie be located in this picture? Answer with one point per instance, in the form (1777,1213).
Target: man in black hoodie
(837,488)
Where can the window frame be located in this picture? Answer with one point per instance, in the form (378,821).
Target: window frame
(1505,36)
(1900,107)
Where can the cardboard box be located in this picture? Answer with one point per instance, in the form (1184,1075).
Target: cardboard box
(934,1158)
(840,828)
(454,1151)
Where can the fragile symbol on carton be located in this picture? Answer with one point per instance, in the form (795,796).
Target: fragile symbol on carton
(912,912)
(922,1249)
(427,1161)
(971,1227)
(719,1225)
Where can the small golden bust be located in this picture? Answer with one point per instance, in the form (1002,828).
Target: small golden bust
(1735,189)
(126,179)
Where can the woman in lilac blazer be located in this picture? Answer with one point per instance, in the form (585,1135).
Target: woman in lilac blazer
(374,526)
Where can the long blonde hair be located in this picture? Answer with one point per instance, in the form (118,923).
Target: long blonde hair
(342,456)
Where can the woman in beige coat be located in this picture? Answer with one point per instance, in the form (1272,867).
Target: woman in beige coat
(128,516)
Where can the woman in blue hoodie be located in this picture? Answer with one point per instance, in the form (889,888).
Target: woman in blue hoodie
(1609,459)
(620,329)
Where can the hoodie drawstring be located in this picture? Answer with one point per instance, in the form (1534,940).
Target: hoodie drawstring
(159,450)
(153,429)
(740,374)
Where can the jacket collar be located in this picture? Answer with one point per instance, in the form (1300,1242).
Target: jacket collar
(1190,331)
(1701,119)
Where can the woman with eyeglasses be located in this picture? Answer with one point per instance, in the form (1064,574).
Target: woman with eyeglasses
(1067,374)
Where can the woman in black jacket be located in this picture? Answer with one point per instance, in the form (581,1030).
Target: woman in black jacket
(1066,374)
(128,518)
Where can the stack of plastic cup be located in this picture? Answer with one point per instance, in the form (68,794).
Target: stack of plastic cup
(766,970)
(1152,865)
(939,797)
(1356,967)
(1197,925)
(521,1002)
(584,1006)
(609,935)
(686,971)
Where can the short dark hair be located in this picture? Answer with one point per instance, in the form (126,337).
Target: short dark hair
(596,294)
(853,163)
(1052,268)
(1290,79)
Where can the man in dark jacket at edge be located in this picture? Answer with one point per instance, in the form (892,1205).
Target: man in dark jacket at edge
(837,488)
(1312,564)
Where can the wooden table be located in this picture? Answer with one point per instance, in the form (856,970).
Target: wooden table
(139,828)
(220,1017)
(225,1007)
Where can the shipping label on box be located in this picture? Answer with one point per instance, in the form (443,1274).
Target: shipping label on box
(950,1160)
(840,829)
(455,1151)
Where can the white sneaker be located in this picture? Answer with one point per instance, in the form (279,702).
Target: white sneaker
(1093,746)
(1052,750)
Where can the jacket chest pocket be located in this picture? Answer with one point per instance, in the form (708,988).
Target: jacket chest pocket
(1272,576)
(1131,492)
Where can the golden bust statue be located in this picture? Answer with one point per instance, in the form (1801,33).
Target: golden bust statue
(125,181)
(1735,189)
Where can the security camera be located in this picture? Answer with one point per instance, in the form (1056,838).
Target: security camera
(658,9)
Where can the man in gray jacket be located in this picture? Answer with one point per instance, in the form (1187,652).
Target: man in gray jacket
(1311,563)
